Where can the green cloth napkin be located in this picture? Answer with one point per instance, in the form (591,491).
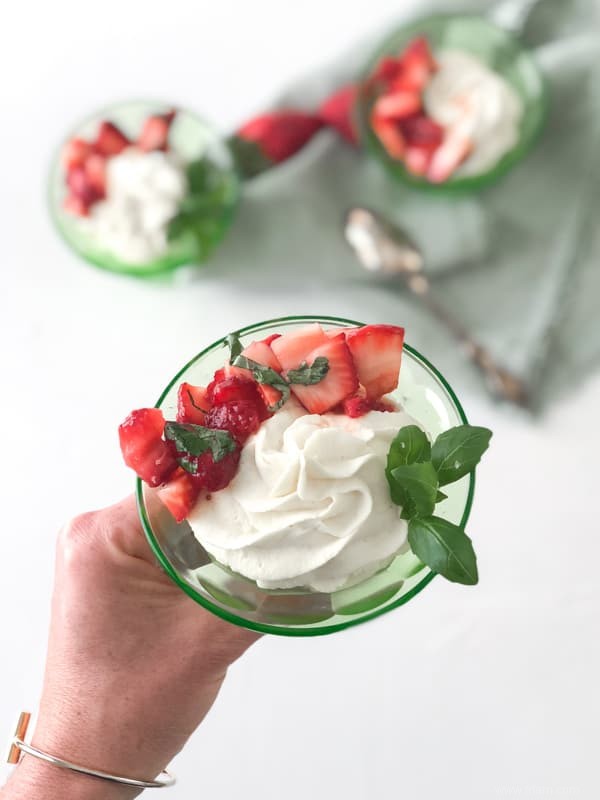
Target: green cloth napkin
(517,261)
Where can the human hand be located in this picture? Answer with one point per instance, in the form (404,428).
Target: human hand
(133,664)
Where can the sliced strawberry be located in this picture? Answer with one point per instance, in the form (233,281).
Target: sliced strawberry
(416,66)
(377,353)
(180,494)
(75,153)
(271,338)
(75,205)
(192,404)
(332,332)
(340,381)
(143,447)
(155,132)
(292,348)
(80,186)
(263,354)
(237,387)
(95,170)
(386,70)
(455,148)
(110,141)
(397,105)
(337,112)
(417,160)
(422,132)
(389,134)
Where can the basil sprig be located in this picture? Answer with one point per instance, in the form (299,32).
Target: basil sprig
(192,440)
(306,374)
(415,471)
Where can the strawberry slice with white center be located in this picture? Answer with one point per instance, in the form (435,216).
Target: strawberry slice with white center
(389,134)
(397,105)
(377,353)
(75,153)
(179,495)
(192,404)
(340,382)
(264,355)
(144,449)
(292,348)
(155,132)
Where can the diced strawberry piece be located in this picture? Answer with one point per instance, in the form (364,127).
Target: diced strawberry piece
(359,405)
(356,406)
(75,152)
(143,447)
(337,112)
(339,382)
(241,419)
(80,186)
(416,65)
(455,148)
(386,70)
(422,132)
(179,495)
(389,134)
(237,388)
(155,132)
(95,170)
(397,105)
(215,475)
(293,348)
(192,404)
(417,160)
(110,141)
(75,205)
(377,354)
(263,354)
(280,134)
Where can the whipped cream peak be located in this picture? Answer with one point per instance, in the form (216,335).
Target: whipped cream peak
(310,505)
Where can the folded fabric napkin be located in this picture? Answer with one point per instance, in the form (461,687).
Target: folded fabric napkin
(516,261)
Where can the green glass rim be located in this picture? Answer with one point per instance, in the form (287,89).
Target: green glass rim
(257,626)
(470,182)
(160,266)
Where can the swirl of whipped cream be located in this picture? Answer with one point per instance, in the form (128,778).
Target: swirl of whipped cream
(310,505)
(466,95)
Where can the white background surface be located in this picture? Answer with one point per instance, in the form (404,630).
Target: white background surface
(464,694)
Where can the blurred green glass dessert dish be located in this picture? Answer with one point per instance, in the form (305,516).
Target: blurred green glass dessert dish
(201,214)
(423,393)
(496,49)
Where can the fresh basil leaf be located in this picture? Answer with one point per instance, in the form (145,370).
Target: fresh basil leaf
(445,548)
(440,496)
(235,346)
(416,483)
(193,440)
(409,446)
(307,375)
(260,372)
(457,451)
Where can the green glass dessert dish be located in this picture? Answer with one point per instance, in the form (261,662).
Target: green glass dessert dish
(496,49)
(208,195)
(423,393)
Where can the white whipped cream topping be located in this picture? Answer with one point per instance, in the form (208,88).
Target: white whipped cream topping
(310,505)
(143,192)
(464,92)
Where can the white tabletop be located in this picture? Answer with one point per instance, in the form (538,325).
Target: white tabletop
(463,694)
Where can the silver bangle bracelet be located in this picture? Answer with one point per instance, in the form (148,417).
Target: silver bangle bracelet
(19,746)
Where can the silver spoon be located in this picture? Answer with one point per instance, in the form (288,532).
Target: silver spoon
(385,249)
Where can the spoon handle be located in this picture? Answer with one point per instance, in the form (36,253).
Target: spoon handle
(501,382)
